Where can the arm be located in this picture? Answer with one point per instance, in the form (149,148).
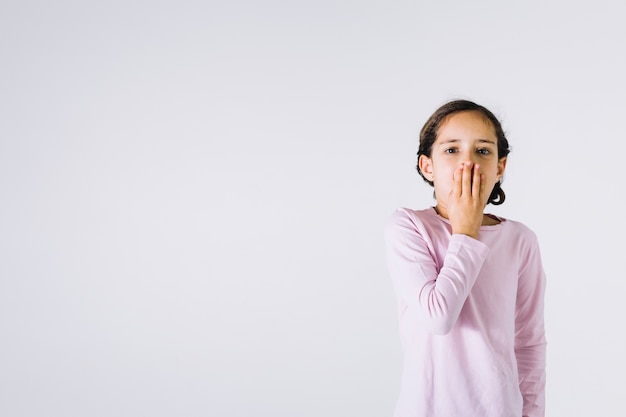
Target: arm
(530,342)
(437,295)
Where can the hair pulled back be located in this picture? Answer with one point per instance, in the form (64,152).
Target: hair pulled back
(429,132)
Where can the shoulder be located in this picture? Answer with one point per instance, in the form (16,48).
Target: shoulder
(405,224)
(524,246)
(520,229)
(525,238)
(406,217)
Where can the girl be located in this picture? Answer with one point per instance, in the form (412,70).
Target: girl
(469,285)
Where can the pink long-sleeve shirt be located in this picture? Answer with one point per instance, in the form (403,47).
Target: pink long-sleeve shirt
(470,317)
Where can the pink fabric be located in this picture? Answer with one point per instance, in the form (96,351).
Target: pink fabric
(470,317)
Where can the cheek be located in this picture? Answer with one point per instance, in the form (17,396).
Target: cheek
(444,168)
(491,172)
(443,177)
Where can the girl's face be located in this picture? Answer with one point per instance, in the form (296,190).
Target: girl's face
(463,136)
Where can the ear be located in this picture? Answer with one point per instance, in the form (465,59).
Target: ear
(426,166)
(501,167)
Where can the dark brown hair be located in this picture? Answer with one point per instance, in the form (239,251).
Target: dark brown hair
(429,132)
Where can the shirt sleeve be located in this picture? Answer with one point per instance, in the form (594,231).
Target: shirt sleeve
(530,341)
(436,294)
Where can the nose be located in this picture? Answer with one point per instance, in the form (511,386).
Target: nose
(468,155)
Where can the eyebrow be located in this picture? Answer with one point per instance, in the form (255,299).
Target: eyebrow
(492,142)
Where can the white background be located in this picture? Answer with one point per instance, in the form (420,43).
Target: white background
(192,196)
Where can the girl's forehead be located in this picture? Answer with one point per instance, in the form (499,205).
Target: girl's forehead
(466,123)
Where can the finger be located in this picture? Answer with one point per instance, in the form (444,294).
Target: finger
(457,178)
(484,193)
(467,178)
(477,186)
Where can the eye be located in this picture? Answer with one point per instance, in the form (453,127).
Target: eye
(484,151)
(449,150)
